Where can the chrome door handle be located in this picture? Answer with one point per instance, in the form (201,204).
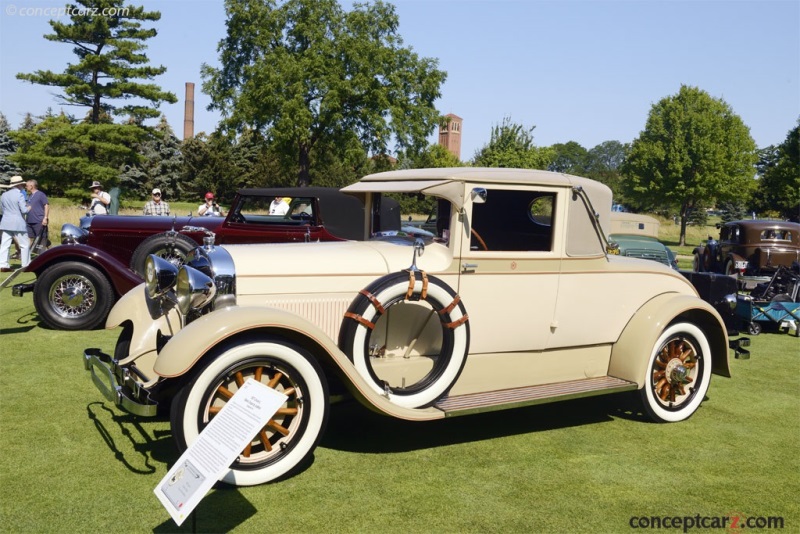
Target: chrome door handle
(468,267)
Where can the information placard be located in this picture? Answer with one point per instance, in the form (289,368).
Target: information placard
(217,446)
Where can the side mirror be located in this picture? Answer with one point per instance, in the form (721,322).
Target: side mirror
(479,195)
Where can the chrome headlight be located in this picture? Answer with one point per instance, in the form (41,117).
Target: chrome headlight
(71,234)
(730,300)
(194,289)
(160,275)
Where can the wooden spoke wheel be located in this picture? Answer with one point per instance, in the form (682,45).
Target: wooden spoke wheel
(679,373)
(292,433)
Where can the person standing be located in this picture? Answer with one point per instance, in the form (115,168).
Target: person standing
(38,216)
(210,208)
(156,206)
(279,206)
(12,224)
(100,199)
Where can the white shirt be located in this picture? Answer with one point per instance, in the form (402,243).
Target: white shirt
(278,207)
(97,207)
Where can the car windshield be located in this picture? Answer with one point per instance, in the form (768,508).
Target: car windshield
(275,210)
(412,214)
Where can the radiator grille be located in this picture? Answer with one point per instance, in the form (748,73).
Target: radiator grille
(648,255)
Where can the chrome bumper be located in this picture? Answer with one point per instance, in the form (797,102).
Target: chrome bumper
(117,384)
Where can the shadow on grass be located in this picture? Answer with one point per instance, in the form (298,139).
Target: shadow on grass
(146,448)
(26,322)
(20,330)
(394,435)
(207,516)
(139,448)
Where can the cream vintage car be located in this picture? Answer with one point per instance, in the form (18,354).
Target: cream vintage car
(514,302)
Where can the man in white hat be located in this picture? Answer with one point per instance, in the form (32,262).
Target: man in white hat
(100,199)
(156,206)
(13,224)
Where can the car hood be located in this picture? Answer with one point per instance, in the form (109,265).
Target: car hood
(334,258)
(149,223)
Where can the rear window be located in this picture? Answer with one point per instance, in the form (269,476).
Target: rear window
(776,235)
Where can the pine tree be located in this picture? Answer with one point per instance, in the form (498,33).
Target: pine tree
(161,166)
(7,147)
(111,67)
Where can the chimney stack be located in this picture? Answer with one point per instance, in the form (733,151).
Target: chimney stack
(188,112)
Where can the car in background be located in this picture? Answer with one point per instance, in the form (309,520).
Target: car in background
(637,237)
(515,301)
(78,282)
(750,249)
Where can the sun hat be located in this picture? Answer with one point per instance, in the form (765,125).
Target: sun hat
(15,180)
(96,184)
(156,191)
(210,196)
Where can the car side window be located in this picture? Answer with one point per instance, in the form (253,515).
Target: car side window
(513,220)
(776,235)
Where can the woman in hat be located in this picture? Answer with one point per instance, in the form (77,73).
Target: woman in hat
(100,199)
(12,225)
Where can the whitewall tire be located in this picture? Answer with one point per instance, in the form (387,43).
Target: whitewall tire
(678,374)
(294,431)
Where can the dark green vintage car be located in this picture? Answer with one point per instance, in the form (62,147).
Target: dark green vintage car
(637,237)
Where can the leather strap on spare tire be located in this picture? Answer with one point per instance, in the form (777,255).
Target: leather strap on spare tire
(376,300)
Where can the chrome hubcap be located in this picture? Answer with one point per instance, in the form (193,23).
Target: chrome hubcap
(72,296)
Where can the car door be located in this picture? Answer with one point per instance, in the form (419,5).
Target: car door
(509,268)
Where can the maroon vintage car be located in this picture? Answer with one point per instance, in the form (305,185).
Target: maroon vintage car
(750,248)
(78,282)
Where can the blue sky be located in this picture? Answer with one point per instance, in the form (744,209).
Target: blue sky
(585,71)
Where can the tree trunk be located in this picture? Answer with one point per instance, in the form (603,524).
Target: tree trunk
(684,220)
(303,177)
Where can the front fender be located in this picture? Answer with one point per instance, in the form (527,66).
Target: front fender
(196,341)
(630,355)
(146,321)
(122,279)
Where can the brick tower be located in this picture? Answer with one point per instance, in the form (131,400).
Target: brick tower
(450,134)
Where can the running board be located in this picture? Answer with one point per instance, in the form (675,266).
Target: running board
(526,396)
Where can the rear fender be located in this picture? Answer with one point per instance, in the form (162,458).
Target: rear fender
(630,355)
(122,279)
(197,341)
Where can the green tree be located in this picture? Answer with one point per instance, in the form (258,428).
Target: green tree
(305,73)
(779,184)
(693,151)
(111,67)
(161,166)
(7,148)
(434,156)
(511,145)
(56,150)
(732,210)
(604,164)
(568,157)
(208,165)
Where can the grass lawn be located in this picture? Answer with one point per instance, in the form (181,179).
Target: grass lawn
(70,462)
